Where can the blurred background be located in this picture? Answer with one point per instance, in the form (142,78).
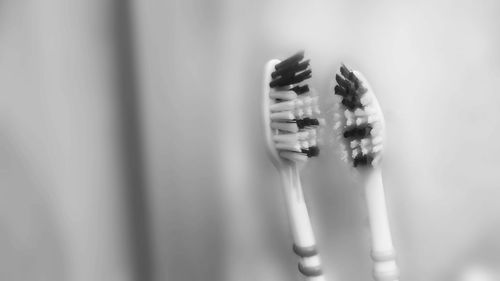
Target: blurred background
(131,146)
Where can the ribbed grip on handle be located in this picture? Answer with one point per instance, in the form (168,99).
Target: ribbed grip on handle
(384,265)
(310,271)
(378,256)
(305,251)
(310,263)
(310,266)
(392,275)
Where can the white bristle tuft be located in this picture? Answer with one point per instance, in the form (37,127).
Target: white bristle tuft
(377,148)
(293,156)
(307,100)
(344,156)
(308,112)
(376,161)
(284,106)
(315,106)
(286,138)
(283,115)
(306,134)
(288,95)
(355,152)
(354,143)
(348,114)
(376,129)
(299,112)
(288,127)
(361,120)
(369,111)
(304,144)
(373,118)
(360,113)
(365,142)
(377,140)
(288,146)
(364,150)
(366,99)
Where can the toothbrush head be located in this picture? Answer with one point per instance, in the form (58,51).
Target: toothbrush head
(359,122)
(289,110)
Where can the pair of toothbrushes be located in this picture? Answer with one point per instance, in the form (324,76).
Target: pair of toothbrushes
(291,122)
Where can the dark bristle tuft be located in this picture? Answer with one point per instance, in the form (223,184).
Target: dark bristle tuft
(351,102)
(283,81)
(340,91)
(360,132)
(293,78)
(299,90)
(290,70)
(342,82)
(349,88)
(362,160)
(350,97)
(303,76)
(301,123)
(291,60)
(313,151)
(346,72)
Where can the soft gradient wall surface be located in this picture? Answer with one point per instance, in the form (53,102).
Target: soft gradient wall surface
(132,148)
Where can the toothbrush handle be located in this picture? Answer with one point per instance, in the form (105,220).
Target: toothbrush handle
(304,242)
(383,253)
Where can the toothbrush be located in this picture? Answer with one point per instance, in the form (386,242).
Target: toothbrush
(289,107)
(360,126)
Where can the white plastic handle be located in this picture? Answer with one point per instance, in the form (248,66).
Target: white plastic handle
(383,253)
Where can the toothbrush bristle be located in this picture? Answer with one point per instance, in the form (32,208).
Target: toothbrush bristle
(359,121)
(306,122)
(291,60)
(300,89)
(294,119)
